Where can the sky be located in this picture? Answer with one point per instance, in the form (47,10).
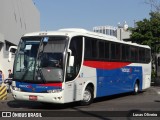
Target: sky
(57,14)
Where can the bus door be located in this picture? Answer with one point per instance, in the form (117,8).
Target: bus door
(72,71)
(69,85)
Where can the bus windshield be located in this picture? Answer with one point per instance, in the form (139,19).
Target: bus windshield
(40,59)
(51,60)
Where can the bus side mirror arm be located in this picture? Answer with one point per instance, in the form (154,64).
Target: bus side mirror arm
(10,52)
(71,58)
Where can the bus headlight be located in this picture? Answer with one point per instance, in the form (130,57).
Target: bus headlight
(15,88)
(54,91)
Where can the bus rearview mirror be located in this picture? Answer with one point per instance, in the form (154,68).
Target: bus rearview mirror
(12,50)
(71,61)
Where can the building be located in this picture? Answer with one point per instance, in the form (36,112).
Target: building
(109,30)
(120,32)
(17,17)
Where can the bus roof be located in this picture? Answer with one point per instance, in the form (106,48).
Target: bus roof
(82,32)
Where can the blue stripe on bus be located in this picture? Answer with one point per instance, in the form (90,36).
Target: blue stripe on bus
(37,88)
(110,82)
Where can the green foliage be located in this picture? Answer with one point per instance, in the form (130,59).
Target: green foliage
(147,32)
(153,75)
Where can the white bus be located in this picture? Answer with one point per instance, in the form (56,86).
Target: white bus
(77,65)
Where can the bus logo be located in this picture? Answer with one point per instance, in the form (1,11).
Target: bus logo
(25,86)
(127,70)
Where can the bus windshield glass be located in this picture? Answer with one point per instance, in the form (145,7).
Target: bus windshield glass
(40,59)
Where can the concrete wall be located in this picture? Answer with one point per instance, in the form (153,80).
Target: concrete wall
(122,34)
(17,17)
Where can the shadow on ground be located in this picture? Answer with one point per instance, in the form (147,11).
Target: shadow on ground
(49,106)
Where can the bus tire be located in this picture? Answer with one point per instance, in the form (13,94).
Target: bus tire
(136,88)
(87,97)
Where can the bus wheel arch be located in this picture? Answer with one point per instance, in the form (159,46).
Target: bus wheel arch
(87,95)
(136,87)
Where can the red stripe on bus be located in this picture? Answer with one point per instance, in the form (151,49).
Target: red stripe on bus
(52,84)
(105,65)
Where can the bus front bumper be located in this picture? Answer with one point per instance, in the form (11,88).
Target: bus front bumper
(39,97)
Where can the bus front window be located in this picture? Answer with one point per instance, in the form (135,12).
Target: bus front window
(50,60)
(25,58)
(40,59)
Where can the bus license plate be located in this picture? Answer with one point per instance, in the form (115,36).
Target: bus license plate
(33,97)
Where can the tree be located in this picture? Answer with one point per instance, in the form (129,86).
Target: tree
(155,5)
(147,32)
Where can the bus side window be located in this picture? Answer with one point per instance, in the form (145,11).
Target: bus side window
(88,48)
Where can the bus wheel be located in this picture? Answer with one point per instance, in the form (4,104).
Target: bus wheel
(136,88)
(87,96)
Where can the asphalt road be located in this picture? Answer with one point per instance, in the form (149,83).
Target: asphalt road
(113,107)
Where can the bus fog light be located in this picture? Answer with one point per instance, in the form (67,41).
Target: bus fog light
(60,97)
(15,88)
(57,98)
